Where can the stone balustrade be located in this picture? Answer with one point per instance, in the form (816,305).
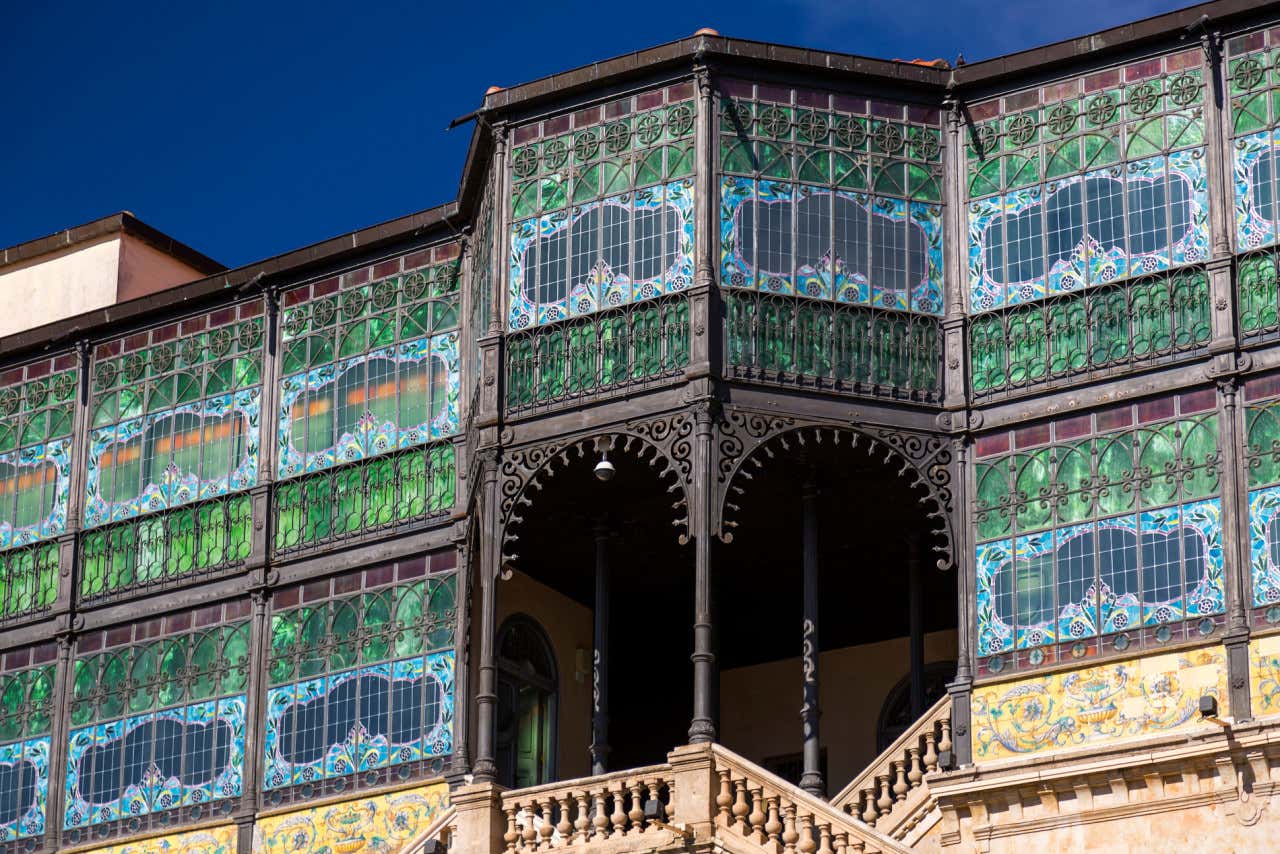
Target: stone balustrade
(592,810)
(891,794)
(776,816)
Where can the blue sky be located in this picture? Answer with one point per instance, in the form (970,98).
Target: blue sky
(247,129)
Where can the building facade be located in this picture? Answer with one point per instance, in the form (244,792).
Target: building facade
(940,406)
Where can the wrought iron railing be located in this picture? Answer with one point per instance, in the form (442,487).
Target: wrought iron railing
(1100,331)
(842,348)
(160,548)
(28,579)
(1258,294)
(363,497)
(624,347)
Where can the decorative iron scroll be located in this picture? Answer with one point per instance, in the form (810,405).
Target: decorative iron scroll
(364,496)
(1090,333)
(747,440)
(843,348)
(625,347)
(666,443)
(162,548)
(28,580)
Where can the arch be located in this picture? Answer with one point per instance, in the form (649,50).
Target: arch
(528,685)
(665,444)
(749,440)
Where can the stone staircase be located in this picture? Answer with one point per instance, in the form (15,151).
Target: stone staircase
(704,798)
(892,794)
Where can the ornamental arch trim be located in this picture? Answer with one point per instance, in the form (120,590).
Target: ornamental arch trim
(666,444)
(747,440)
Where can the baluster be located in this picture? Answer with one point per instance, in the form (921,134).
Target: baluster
(789,835)
(582,821)
(724,798)
(547,827)
(601,819)
(655,787)
(530,834)
(773,826)
(944,743)
(900,787)
(512,834)
(619,817)
(806,845)
(869,811)
(824,839)
(885,802)
(564,827)
(916,775)
(842,842)
(756,818)
(930,751)
(740,808)
(636,815)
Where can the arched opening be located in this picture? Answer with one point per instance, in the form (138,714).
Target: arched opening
(568,518)
(897,714)
(527,695)
(882,600)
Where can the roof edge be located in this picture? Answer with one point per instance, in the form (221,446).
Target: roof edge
(123,223)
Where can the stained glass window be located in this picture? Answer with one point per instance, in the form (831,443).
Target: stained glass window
(361,679)
(175,420)
(1087,181)
(26,719)
(1253,83)
(602,207)
(37,402)
(1099,532)
(157,717)
(1262,464)
(831,196)
(1088,223)
(371,380)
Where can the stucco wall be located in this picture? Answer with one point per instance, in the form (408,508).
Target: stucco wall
(145,270)
(760,705)
(59,285)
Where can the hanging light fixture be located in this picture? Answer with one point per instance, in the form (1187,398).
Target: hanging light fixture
(604,470)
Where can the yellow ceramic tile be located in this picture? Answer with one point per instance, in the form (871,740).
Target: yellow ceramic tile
(382,824)
(1122,699)
(1264,675)
(217,840)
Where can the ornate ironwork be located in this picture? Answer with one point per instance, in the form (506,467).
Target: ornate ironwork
(1092,333)
(666,443)
(363,497)
(1257,275)
(748,440)
(28,580)
(842,348)
(164,548)
(630,346)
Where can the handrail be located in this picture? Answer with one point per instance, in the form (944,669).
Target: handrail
(771,812)
(892,776)
(585,811)
(438,825)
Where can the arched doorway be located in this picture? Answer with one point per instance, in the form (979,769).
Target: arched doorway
(526,724)
(866,516)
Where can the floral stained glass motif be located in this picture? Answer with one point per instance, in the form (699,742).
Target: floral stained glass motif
(1118,534)
(26,709)
(36,406)
(1102,180)
(1253,80)
(369,368)
(158,725)
(1262,463)
(175,415)
(361,683)
(824,198)
(603,213)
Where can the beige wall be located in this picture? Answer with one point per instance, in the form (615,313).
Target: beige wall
(59,285)
(760,706)
(145,270)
